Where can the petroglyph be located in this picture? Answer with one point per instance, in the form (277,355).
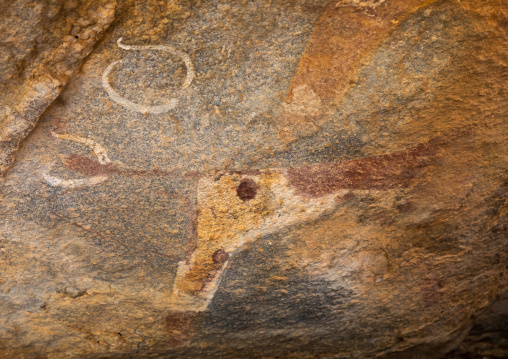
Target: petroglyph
(115,96)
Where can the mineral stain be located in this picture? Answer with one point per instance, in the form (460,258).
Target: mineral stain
(247,189)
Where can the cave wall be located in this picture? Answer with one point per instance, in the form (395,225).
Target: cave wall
(257,179)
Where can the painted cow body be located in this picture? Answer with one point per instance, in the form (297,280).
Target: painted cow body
(234,208)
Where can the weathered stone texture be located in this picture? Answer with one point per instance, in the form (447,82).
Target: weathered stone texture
(296,179)
(42,46)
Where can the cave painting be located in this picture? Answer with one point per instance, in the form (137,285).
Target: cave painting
(234,208)
(145,109)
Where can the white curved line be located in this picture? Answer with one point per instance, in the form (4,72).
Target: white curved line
(186,59)
(115,96)
(98,150)
(73,183)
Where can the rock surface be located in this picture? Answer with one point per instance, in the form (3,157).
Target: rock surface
(258,179)
(42,46)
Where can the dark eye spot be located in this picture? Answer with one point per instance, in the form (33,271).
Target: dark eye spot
(247,189)
(220,256)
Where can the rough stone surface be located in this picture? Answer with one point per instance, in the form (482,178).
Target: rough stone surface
(261,179)
(42,45)
(488,337)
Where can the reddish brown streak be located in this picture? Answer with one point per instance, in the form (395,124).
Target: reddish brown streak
(392,170)
(379,172)
(88,167)
(432,291)
(181,325)
(387,171)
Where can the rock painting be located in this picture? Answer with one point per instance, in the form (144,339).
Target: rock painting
(235,208)
(405,164)
(115,96)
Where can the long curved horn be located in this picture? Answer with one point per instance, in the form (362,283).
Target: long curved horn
(115,96)
(99,152)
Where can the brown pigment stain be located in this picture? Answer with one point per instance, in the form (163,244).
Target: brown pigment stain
(344,197)
(405,206)
(392,170)
(382,172)
(247,189)
(180,326)
(88,167)
(343,40)
(431,290)
(220,256)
